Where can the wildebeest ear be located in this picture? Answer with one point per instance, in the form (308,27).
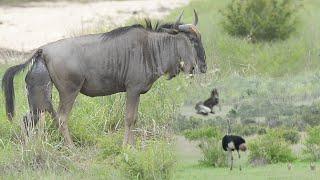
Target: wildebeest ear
(170,31)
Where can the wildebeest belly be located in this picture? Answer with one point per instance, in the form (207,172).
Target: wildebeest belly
(101,87)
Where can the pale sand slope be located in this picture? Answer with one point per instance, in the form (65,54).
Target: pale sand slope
(29,26)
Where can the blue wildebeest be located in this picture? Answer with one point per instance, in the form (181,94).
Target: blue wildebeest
(128,59)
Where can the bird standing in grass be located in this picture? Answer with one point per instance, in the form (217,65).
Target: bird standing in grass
(231,143)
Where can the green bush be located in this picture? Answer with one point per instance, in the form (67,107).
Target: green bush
(260,19)
(183,123)
(273,121)
(248,130)
(311,114)
(213,154)
(262,131)
(291,136)
(271,149)
(156,161)
(247,121)
(312,143)
(202,133)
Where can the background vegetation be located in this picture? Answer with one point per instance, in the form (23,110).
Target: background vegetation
(261,19)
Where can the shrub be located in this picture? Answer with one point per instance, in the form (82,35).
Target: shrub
(271,149)
(291,136)
(213,154)
(156,161)
(260,19)
(247,121)
(262,131)
(312,143)
(202,133)
(182,123)
(248,130)
(273,121)
(311,114)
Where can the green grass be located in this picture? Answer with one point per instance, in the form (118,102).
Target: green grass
(276,171)
(189,167)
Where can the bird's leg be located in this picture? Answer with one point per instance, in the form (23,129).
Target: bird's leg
(239,159)
(231,158)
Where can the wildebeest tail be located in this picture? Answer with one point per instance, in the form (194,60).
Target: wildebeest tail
(7,82)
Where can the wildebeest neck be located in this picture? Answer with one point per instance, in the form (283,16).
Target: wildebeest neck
(161,56)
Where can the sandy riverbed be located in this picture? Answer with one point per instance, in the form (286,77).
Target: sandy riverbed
(31,25)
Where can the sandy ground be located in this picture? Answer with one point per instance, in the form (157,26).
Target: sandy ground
(31,25)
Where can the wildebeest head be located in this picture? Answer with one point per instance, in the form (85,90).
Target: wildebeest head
(198,62)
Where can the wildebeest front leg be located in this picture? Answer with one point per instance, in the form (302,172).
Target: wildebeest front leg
(131,117)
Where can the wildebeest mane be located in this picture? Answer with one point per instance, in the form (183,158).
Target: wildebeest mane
(148,26)
(118,31)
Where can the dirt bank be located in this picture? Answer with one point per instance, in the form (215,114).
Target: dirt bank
(31,25)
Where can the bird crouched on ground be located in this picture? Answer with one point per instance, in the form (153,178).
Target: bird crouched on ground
(206,107)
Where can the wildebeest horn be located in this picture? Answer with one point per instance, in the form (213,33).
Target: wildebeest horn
(179,19)
(195,22)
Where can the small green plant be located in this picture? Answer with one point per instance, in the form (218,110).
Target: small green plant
(155,161)
(202,133)
(271,149)
(312,149)
(260,19)
(213,154)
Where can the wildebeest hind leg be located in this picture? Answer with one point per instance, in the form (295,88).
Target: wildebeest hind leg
(131,116)
(67,99)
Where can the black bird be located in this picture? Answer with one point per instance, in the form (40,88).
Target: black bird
(231,143)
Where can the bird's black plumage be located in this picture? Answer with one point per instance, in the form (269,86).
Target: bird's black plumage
(237,140)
